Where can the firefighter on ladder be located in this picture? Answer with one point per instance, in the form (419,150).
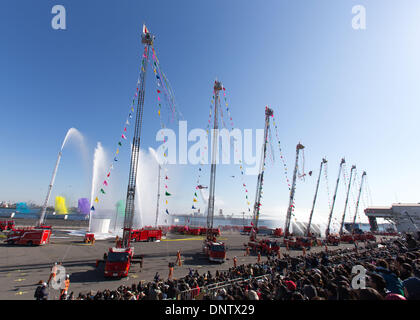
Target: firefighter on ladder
(178,258)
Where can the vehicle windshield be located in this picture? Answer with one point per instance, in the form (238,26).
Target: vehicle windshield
(218,248)
(117,257)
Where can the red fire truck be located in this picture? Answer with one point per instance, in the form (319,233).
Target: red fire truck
(264,246)
(7,225)
(215,251)
(298,242)
(333,239)
(278,232)
(29,236)
(118,262)
(195,231)
(214,231)
(148,235)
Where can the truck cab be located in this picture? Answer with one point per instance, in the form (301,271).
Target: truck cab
(118,262)
(216,251)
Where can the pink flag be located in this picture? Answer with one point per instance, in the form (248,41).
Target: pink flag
(105,183)
(158,98)
(124,137)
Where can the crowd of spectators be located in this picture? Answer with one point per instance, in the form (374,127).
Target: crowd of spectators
(392,272)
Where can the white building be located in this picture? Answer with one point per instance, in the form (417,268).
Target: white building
(405,216)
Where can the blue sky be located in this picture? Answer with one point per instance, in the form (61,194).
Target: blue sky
(339,91)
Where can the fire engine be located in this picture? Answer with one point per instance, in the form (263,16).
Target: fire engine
(264,246)
(89,238)
(278,232)
(118,262)
(149,235)
(29,236)
(7,225)
(333,239)
(215,251)
(298,242)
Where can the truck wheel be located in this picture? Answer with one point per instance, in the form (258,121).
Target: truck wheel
(29,243)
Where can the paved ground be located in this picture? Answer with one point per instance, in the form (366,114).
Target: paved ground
(21,267)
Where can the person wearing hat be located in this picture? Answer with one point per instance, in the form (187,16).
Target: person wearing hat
(63,295)
(291,286)
(412,288)
(41,292)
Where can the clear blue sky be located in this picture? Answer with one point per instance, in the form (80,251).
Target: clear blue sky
(339,91)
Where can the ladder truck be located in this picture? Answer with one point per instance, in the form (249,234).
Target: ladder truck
(213,249)
(40,234)
(263,245)
(118,260)
(343,237)
(331,238)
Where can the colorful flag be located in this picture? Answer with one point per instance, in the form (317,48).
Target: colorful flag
(167,211)
(123,136)
(115,159)
(167,193)
(105,183)
(103,191)
(120,144)
(93,208)
(194,200)
(96,200)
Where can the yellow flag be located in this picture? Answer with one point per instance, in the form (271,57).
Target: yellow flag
(96,200)
(118,151)
(195,200)
(159,112)
(166,201)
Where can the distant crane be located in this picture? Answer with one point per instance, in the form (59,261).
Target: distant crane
(347,200)
(257,204)
(292,191)
(308,230)
(327,232)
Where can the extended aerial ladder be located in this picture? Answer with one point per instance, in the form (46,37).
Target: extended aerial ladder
(257,204)
(292,192)
(327,231)
(347,200)
(358,201)
(308,230)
